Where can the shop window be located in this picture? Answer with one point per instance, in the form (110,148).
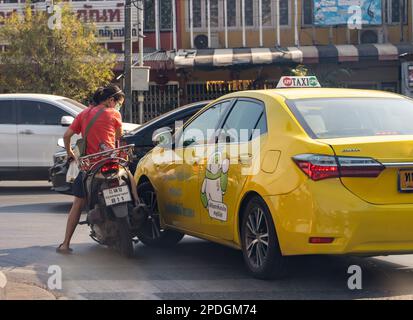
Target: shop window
(165,15)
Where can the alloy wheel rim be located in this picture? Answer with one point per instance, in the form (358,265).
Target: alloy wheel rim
(257,237)
(154,218)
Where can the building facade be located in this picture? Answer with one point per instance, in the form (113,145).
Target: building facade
(237,44)
(201,49)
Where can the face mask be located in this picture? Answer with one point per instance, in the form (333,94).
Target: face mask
(118,106)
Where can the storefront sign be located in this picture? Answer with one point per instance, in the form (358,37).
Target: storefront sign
(108,16)
(347,12)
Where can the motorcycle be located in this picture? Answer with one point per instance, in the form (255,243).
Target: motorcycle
(113,215)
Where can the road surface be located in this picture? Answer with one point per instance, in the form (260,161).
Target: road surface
(32,224)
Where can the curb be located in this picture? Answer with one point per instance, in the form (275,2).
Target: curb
(3,283)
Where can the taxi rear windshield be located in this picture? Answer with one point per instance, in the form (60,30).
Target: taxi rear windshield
(325,118)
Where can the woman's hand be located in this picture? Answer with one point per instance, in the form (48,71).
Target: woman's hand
(71,155)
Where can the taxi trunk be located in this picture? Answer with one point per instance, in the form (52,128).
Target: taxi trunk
(392,183)
(372,138)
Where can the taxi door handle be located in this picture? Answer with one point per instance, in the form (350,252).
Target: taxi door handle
(245,158)
(195,159)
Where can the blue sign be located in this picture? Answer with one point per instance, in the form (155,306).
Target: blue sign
(347,12)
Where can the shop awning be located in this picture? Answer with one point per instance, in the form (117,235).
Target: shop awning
(152,58)
(208,58)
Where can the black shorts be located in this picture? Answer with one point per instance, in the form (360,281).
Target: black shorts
(78,186)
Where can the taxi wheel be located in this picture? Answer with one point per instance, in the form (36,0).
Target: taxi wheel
(151,233)
(260,246)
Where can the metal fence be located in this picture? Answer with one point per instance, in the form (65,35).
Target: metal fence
(211,90)
(163,98)
(158,100)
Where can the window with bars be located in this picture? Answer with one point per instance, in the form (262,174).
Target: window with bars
(393,10)
(234,16)
(249,13)
(214,12)
(284,12)
(165,15)
(232,13)
(266,13)
(307,12)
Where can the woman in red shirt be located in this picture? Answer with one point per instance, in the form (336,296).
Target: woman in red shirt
(102,135)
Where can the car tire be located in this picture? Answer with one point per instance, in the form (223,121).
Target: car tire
(260,246)
(151,233)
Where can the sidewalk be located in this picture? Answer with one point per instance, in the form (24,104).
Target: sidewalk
(13,289)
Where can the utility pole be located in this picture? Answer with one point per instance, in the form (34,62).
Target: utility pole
(141,36)
(128,60)
(401,11)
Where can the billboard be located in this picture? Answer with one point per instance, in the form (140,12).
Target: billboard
(350,12)
(108,16)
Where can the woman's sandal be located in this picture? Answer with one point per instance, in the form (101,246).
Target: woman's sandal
(63,251)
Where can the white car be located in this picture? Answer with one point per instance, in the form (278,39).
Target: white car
(30,127)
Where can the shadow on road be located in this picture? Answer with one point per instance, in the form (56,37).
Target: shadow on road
(19,190)
(47,207)
(197,269)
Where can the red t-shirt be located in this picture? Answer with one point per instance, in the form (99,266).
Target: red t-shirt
(102,135)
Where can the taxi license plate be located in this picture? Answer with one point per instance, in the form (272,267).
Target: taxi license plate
(406,180)
(117,195)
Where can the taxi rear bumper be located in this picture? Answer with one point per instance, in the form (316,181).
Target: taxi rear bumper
(326,209)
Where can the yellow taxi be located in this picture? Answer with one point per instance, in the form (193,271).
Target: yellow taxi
(285,172)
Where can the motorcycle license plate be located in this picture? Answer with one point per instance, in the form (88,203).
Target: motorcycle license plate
(117,195)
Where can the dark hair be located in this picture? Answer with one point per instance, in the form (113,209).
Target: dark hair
(104,93)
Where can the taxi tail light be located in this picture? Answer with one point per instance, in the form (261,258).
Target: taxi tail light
(319,167)
(109,168)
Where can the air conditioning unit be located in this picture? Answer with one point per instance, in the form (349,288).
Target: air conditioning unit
(201,41)
(371,35)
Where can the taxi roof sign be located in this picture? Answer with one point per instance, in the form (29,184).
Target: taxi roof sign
(298,82)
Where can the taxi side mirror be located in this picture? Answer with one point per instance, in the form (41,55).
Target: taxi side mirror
(162,137)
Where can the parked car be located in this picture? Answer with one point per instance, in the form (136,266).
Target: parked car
(141,137)
(30,126)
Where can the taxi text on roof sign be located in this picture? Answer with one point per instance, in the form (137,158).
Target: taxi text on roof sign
(298,82)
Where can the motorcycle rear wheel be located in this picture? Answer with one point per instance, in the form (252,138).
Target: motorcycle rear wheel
(125,244)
